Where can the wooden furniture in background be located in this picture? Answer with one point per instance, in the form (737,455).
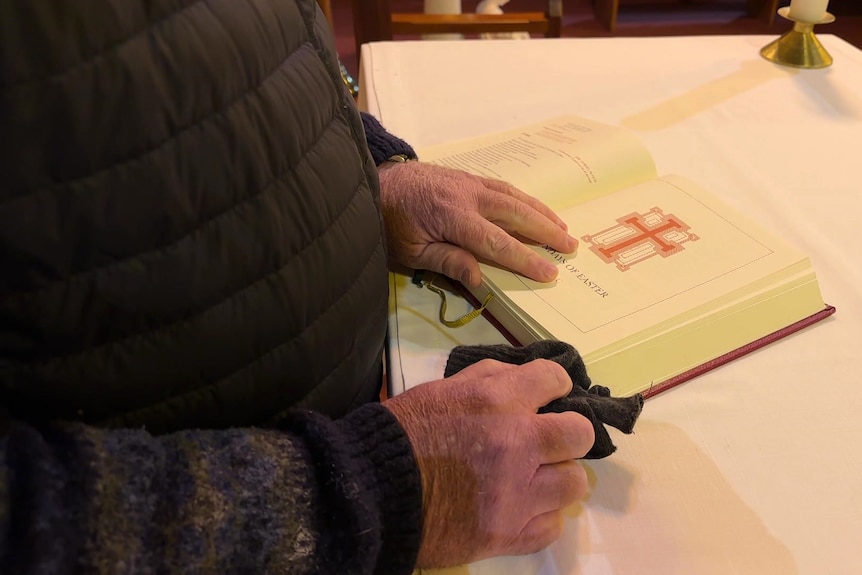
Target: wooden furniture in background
(607,10)
(374,21)
(763,9)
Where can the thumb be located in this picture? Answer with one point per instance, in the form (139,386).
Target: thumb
(452,261)
(537,383)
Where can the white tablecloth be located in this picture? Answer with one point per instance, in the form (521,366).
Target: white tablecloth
(757,466)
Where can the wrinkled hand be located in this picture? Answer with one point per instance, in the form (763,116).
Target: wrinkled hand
(495,474)
(442,219)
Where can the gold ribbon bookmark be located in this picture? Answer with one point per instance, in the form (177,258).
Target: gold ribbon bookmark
(457,322)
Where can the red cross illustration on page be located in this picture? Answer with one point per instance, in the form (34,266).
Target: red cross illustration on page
(638,237)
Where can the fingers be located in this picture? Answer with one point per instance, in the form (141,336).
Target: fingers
(529,386)
(556,437)
(482,369)
(490,242)
(521,214)
(539,532)
(476,235)
(563,436)
(537,383)
(510,190)
(453,261)
(557,486)
(489,230)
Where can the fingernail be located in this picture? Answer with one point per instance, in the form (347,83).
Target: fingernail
(550,271)
(572,243)
(465,277)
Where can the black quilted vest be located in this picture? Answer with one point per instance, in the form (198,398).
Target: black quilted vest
(189,232)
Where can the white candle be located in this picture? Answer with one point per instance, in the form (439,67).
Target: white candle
(442,7)
(808,10)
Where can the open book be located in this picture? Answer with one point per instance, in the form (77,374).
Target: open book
(667,282)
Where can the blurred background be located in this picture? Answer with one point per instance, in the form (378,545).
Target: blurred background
(635,18)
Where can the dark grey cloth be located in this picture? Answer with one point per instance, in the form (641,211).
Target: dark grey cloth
(592,401)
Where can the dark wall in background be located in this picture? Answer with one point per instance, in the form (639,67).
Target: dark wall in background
(636,18)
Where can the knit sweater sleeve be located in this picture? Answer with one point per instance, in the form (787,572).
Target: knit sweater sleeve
(381,143)
(314,496)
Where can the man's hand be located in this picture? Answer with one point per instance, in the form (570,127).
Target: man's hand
(442,220)
(495,474)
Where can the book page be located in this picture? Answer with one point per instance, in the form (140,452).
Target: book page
(652,255)
(562,162)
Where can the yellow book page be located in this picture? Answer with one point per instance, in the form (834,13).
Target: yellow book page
(562,162)
(658,253)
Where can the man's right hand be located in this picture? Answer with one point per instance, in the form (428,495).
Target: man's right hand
(495,474)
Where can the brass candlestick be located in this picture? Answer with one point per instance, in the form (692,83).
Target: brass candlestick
(799,47)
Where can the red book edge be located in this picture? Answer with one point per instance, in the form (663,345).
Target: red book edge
(700,369)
